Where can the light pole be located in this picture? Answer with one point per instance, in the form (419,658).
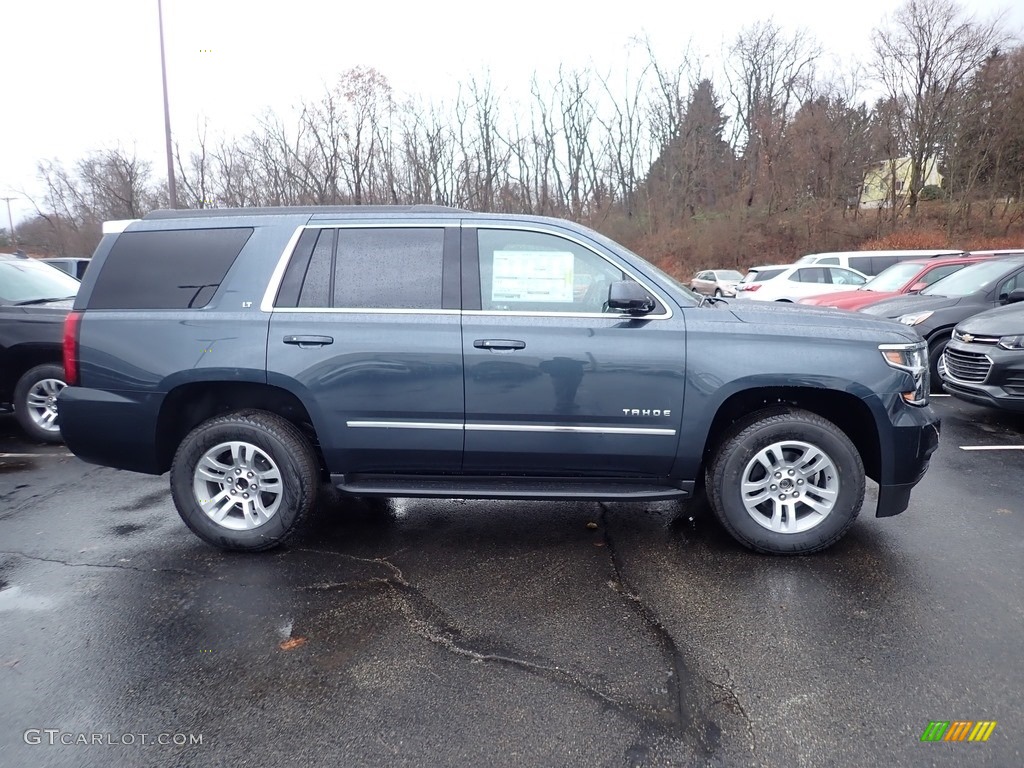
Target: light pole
(10,221)
(171,186)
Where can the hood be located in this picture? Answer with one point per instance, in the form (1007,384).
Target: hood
(1001,321)
(903,305)
(804,320)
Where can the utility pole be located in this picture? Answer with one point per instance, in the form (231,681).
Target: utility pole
(171,186)
(10,221)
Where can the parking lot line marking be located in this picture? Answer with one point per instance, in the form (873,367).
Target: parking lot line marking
(992,447)
(32,455)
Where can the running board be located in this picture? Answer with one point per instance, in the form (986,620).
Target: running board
(505,487)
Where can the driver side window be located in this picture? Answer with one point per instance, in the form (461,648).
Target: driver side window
(1015,282)
(538,272)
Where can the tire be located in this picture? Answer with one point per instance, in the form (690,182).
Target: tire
(249,447)
(718,293)
(35,402)
(781,433)
(936,346)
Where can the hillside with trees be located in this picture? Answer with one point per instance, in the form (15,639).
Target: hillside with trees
(757,163)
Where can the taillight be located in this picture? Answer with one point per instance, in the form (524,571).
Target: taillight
(71,327)
(753,287)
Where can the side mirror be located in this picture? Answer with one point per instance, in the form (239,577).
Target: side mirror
(917,287)
(1015,296)
(631,297)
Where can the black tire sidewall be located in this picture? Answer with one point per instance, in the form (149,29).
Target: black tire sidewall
(29,379)
(936,347)
(267,535)
(728,479)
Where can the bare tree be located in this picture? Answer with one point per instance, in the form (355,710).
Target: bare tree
(769,73)
(104,185)
(625,138)
(195,179)
(922,57)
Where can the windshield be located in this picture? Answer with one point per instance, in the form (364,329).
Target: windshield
(808,259)
(29,280)
(728,274)
(893,278)
(970,279)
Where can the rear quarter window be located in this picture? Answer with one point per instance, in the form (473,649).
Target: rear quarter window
(167,269)
(759,276)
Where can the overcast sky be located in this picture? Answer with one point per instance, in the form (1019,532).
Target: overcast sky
(80,75)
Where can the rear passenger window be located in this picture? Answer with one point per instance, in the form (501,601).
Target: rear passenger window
(167,269)
(879,264)
(813,275)
(365,268)
(861,264)
(396,268)
(316,286)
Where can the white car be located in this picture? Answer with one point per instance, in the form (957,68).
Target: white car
(791,282)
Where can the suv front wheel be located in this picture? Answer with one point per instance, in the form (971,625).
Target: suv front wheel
(786,481)
(244,481)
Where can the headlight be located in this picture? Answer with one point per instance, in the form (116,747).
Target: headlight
(912,358)
(914,318)
(1011,342)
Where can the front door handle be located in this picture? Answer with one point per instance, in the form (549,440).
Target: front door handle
(309,341)
(499,344)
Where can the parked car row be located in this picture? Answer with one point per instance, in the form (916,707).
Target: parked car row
(936,310)
(941,294)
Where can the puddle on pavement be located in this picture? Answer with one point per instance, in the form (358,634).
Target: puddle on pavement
(15,599)
(127,529)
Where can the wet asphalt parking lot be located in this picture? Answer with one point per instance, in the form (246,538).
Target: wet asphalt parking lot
(465,633)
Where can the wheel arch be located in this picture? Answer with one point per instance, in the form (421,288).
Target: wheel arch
(22,358)
(188,405)
(847,411)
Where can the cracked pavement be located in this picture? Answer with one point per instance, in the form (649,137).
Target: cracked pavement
(441,633)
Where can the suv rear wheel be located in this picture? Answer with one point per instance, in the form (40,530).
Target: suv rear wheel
(786,481)
(35,402)
(244,481)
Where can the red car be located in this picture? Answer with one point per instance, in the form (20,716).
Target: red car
(905,277)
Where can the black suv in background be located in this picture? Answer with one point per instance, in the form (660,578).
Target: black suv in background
(34,300)
(437,352)
(984,361)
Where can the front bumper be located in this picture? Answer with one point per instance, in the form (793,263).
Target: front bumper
(913,438)
(1002,387)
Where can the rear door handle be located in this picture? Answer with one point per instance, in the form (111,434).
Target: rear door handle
(309,341)
(499,344)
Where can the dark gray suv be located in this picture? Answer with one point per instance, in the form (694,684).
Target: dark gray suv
(437,352)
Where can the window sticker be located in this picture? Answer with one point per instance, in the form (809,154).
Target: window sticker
(536,276)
